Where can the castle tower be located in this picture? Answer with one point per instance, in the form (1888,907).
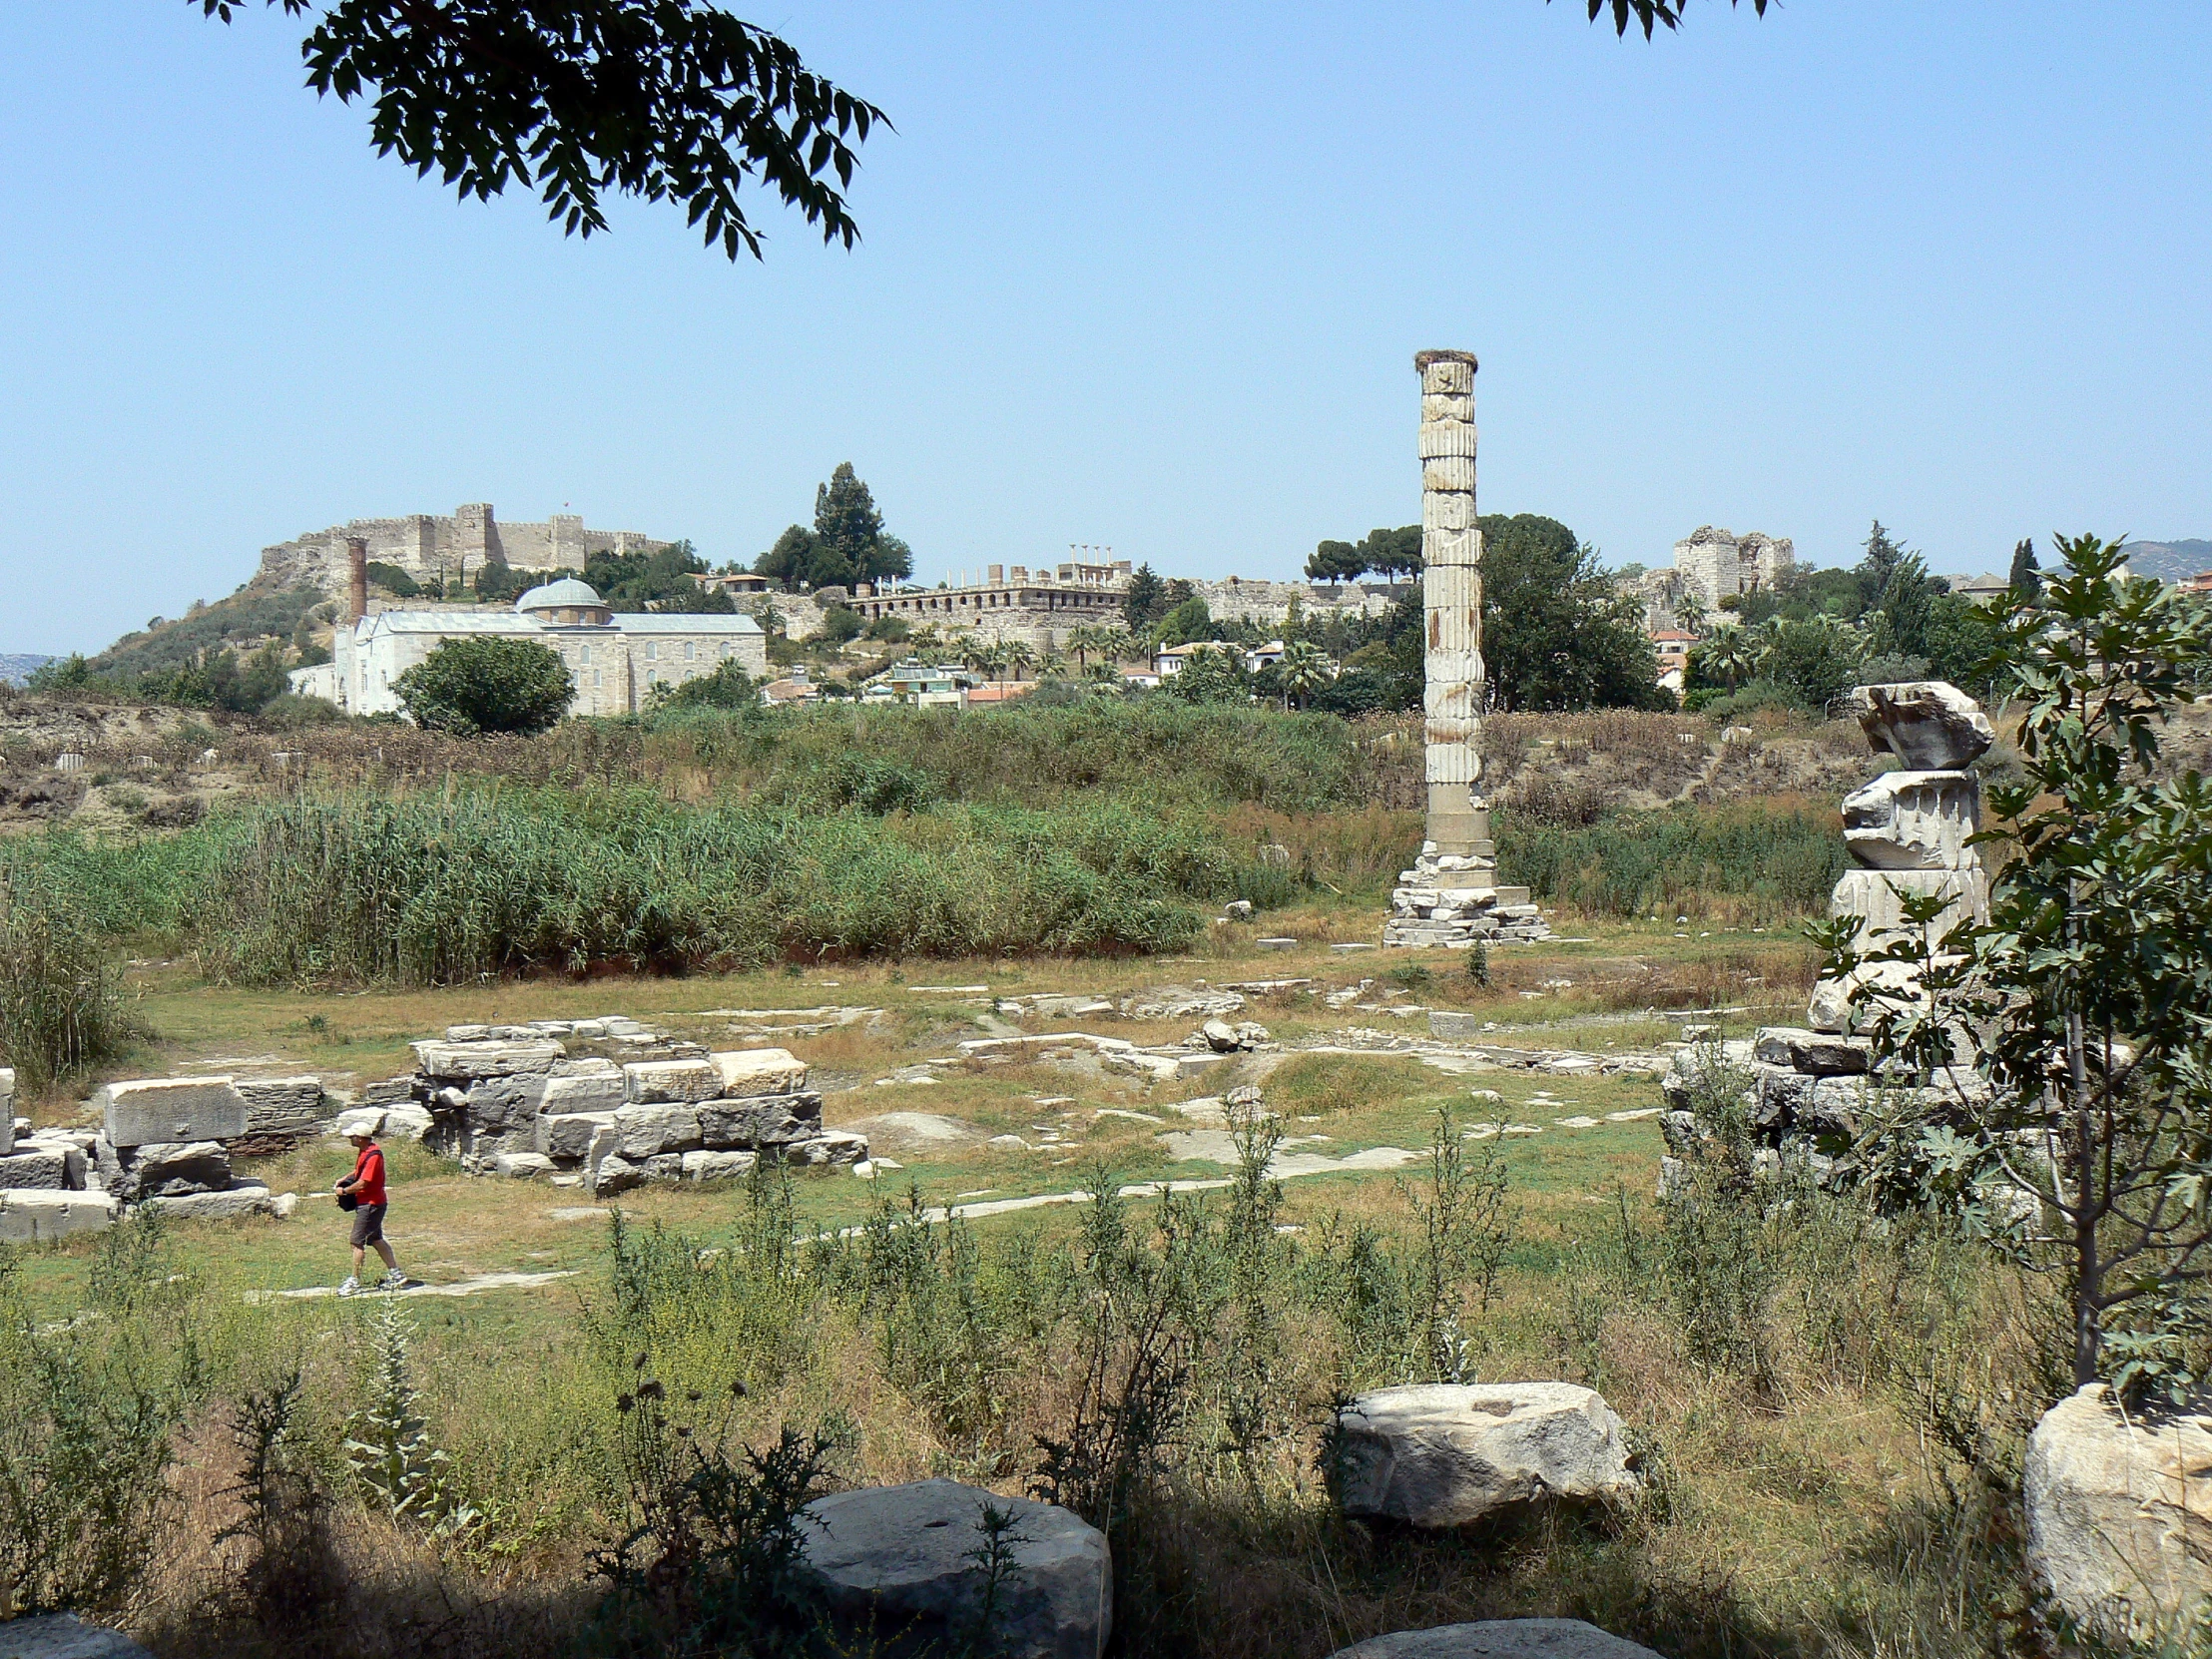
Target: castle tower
(1450,896)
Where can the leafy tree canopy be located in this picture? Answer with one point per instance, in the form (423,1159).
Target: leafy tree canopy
(1557,633)
(848,543)
(485,683)
(659,581)
(664,100)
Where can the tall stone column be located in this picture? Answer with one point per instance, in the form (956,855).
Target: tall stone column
(1452,594)
(1450,897)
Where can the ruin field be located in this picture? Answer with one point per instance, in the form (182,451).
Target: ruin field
(1773,1383)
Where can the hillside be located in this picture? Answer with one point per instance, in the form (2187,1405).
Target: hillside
(240,621)
(18,666)
(2169,561)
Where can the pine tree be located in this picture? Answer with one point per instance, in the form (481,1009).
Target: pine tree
(1146,601)
(2027,576)
(846,527)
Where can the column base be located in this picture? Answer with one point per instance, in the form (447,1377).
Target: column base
(1452,900)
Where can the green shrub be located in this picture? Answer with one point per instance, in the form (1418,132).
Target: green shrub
(483,683)
(1784,864)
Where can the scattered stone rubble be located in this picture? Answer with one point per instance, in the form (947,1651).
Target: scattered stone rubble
(1807,1089)
(514,1101)
(162,1142)
(1454,901)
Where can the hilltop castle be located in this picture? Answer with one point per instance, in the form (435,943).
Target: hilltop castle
(434,547)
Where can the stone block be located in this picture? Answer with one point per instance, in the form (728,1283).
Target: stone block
(1499,1639)
(569,1134)
(612,1175)
(246,1198)
(1443,1454)
(65,1636)
(42,1214)
(521,1166)
(1913,821)
(831,1147)
(1835,1108)
(1784,1098)
(645,1131)
(719,1166)
(468,1061)
(511,1102)
(36,1167)
(771,1120)
(7,1110)
(584,1092)
(746,1072)
(393,1091)
(897,1561)
(1451,474)
(655,1082)
(171,1169)
(1928,725)
(281,1111)
(172,1109)
(1820,1053)
(662,1169)
(2116,1514)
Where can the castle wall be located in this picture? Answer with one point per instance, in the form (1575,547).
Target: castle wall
(430,546)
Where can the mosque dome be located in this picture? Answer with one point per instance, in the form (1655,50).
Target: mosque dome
(557,595)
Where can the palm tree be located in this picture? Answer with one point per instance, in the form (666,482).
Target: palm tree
(978,653)
(1018,655)
(1116,644)
(1689,614)
(1733,656)
(1302,671)
(1083,639)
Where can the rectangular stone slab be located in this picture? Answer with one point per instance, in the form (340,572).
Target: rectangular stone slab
(758,1071)
(647,1082)
(41,1217)
(769,1120)
(172,1109)
(569,1134)
(486,1059)
(648,1130)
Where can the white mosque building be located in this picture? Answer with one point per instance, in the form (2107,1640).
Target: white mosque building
(615,659)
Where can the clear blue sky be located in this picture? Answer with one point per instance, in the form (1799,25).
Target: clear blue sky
(1144,276)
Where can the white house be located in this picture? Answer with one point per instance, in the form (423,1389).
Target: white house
(615,659)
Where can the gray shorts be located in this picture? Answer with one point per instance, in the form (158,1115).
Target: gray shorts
(368,1226)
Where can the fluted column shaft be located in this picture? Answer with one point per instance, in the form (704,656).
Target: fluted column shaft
(1451,595)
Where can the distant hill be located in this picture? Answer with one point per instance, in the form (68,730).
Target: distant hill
(240,622)
(17,667)
(2169,561)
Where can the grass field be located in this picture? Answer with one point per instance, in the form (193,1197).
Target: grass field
(1800,1501)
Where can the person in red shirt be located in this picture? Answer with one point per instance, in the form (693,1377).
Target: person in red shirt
(366,1184)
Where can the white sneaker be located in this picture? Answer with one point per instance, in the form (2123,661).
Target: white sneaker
(392,1281)
(351,1286)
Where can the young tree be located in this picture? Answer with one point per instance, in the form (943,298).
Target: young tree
(2084,1007)
(483,683)
(1884,554)
(848,526)
(2027,575)
(1146,600)
(1908,599)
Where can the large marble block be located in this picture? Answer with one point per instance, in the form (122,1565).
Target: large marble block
(1913,821)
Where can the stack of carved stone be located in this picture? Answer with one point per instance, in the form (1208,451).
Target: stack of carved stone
(513,1101)
(1908,831)
(165,1142)
(1456,903)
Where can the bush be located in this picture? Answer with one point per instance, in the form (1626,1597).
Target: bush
(482,683)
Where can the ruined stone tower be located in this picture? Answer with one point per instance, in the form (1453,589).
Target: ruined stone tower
(1450,896)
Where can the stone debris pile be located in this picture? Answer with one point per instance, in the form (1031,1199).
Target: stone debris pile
(513,1101)
(1454,901)
(162,1142)
(1807,1089)
(1909,830)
